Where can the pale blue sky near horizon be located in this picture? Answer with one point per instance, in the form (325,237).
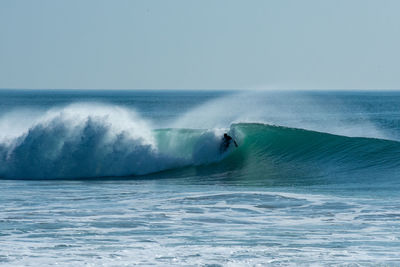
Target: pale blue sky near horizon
(183,44)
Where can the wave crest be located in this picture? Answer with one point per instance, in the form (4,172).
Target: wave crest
(83,141)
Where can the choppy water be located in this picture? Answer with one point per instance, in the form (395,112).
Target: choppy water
(124,178)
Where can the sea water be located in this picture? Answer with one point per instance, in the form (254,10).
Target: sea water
(121,178)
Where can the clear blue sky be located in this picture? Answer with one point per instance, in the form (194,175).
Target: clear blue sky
(207,44)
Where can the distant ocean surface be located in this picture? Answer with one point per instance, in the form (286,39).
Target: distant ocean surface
(122,178)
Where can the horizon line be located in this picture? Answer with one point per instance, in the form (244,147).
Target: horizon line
(204,89)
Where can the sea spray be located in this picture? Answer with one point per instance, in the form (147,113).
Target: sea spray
(83,140)
(290,109)
(95,140)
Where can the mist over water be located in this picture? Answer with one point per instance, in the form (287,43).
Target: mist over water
(304,110)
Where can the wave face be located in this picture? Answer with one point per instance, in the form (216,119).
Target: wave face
(295,156)
(82,141)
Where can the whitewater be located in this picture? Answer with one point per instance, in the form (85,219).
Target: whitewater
(137,177)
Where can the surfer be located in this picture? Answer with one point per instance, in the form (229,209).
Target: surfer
(226,141)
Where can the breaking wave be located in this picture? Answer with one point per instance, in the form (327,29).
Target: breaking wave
(83,141)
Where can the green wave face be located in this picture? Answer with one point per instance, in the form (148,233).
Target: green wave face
(267,155)
(273,155)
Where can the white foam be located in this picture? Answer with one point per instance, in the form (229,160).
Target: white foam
(80,140)
(95,140)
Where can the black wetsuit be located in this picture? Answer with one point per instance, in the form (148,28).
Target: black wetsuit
(226,141)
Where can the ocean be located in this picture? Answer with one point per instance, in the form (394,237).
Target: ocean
(122,178)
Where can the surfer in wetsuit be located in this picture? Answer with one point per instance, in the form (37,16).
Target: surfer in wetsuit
(226,141)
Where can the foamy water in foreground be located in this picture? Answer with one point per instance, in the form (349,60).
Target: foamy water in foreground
(121,223)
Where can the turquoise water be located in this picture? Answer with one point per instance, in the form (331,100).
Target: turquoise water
(137,177)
